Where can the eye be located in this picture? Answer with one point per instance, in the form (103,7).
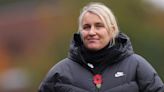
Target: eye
(99,25)
(86,27)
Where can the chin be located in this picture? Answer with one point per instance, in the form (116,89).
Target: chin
(93,48)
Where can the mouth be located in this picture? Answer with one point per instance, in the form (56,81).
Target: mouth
(92,40)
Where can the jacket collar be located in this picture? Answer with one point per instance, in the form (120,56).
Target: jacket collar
(103,58)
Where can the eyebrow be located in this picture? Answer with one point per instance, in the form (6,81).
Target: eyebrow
(99,23)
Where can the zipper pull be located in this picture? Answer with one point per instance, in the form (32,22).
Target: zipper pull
(90,65)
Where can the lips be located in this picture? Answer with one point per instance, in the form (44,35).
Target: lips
(92,40)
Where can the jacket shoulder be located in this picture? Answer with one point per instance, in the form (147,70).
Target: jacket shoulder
(54,76)
(59,67)
(144,68)
(143,64)
(147,77)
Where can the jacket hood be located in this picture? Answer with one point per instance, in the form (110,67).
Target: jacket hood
(108,55)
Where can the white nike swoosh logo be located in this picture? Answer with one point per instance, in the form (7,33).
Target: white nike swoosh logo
(119,74)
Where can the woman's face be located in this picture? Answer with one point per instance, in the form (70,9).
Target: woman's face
(94,34)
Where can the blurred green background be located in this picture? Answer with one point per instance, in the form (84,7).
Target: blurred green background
(35,35)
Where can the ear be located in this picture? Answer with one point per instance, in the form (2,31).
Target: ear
(112,30)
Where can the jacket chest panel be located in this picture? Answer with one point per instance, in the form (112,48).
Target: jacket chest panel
(114,76)
(81,77)
(120,76)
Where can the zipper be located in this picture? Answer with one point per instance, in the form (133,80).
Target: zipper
(97,90)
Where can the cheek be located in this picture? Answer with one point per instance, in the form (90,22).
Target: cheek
(82,35)
(107,38)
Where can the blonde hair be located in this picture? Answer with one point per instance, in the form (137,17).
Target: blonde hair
(104,13)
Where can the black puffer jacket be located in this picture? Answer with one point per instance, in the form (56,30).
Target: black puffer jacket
(122,70)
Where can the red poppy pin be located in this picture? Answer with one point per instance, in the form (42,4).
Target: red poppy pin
(97,80)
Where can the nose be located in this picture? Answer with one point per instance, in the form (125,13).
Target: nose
(92,31)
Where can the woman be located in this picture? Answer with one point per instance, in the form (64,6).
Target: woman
(101,59)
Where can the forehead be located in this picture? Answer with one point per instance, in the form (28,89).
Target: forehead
(90,17)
